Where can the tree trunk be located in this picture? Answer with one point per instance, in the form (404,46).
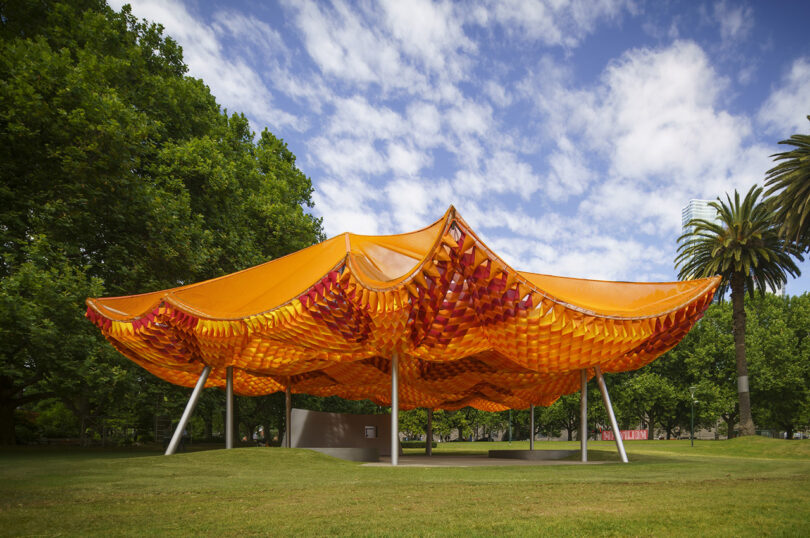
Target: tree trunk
(789,432)
(7,433)
(83,432)
(738,309)
(730,427)
(208,421)
(570,437)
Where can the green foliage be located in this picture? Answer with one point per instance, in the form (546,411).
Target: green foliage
(120,174)
(779,360)
(744,242)
(746,250)
(789,187)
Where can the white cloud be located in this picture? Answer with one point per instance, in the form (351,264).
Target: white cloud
(235,84)
(344,157)
(413,46)
(569,174)
(405,160)
(735,22)
(654,122)
(415,202)
(497,94)
(431,33)
(553,22)
(355,117)
(785,111)
(425,124)
(470,118)
(348,201)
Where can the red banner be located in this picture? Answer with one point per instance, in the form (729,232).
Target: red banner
(627,435)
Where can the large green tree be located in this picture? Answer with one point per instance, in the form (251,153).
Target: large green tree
(744,247)
(118,174)
(779,359)
(709,357)
(789,188)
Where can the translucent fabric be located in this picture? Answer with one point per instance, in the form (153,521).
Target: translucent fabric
(469,329)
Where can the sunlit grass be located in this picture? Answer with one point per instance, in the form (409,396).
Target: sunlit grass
(748,486)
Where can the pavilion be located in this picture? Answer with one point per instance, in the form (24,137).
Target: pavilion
(431,319)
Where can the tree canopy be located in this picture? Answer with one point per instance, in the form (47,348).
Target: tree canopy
(789,187)
(120,174)
(745,248)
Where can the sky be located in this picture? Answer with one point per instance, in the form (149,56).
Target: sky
(568,134)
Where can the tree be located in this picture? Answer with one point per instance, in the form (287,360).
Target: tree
(651,398)
(413,422)
(789,188)
(779,359)
(562,414)
(746,250)
(119,174)
(709,356)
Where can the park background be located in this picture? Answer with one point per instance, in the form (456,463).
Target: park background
(122,172)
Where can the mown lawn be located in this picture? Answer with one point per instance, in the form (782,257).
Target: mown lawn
(750,486)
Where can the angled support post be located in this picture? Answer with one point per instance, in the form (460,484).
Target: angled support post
(288,415)
(583,414)
(192,403)
(617,435)
(531,428)
(429,436)
(228,407)
(395,408)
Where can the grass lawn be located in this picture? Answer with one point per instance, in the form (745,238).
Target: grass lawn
(749,486)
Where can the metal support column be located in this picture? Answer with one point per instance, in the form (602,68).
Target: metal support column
(192,402)
(583,414)
(229,407)
(531,429)
(288,415)
(617,435)
(395,408)
(429,436)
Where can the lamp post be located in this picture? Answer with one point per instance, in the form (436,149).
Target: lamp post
(692,428)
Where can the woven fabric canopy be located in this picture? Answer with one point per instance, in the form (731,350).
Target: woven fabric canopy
(468,329)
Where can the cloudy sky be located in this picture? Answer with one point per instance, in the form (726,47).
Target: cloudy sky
(569,134)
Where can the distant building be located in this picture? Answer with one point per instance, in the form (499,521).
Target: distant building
(700,209)
(697,209)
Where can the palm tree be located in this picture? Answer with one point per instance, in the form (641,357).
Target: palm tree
(744,247)
(790,182)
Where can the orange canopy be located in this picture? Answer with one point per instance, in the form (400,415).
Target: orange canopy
(469,329)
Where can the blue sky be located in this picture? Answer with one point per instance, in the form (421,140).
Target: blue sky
(568,134)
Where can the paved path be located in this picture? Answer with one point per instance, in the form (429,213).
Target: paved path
(462,460)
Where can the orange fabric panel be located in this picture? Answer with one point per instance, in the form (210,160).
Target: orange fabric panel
(469,329)
(627,299)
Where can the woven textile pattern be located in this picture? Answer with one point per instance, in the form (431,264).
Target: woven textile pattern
(468,329)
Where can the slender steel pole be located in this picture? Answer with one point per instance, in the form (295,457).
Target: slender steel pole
(228,407)
(692,426)
(395,409)
(583,414)
(288,415)
(192,402)
(617,435)
(531,429)
(429,436)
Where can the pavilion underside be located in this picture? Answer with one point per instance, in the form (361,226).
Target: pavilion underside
(463,328)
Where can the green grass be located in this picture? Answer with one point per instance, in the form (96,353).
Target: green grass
(750,486)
